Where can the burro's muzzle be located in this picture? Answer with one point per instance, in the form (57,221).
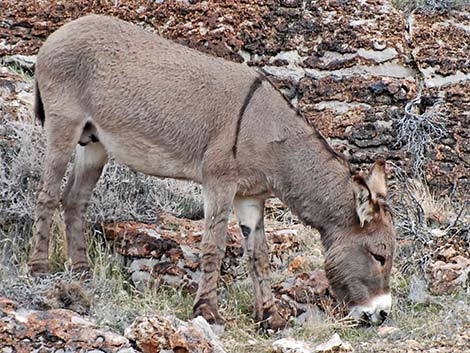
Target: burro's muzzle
(374,311)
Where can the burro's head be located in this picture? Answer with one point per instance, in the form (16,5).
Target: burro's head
(359,257)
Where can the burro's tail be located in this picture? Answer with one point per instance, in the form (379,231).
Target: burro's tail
(38,106)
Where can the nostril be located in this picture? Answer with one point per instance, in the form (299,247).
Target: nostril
(383,314)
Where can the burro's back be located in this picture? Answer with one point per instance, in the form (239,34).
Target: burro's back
(144,95)
(105,88)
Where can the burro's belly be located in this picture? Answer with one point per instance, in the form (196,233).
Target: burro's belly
(150,158)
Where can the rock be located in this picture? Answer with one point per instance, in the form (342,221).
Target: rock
(447,277)
(168,253)
(446,63)
(156,334)
(334,344)
(418,293)
(151,334)
(297,263)
(366,58)
(54,329)
(304,287)
(124,350)
(26,62)
(289,345)
(210,331)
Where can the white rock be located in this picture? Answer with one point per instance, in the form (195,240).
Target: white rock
(286,72)
(289,345)
(291,56)
(24,61)
(126,350)
(204,326)
(336,344)
(378,56)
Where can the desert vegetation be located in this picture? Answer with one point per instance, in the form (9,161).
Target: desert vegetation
(430,279)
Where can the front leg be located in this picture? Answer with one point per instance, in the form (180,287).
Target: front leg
(218,198)
(250,214)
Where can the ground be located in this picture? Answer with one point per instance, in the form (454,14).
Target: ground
(430,283)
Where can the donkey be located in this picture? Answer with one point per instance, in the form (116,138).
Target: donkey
(104,87)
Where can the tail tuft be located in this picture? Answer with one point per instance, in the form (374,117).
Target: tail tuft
(38,106)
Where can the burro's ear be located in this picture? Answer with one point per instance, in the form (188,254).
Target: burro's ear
(362,195)
(377,181)
(370,192)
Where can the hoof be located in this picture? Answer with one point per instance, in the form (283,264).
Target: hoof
(38,269)
(208,312)
(82,268)
(273,320)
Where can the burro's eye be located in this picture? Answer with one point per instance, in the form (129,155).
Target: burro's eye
(378,258)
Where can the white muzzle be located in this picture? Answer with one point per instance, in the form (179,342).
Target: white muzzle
(375,311)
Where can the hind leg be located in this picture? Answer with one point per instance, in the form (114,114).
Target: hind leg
(87,168)
(250,214)
(61,141)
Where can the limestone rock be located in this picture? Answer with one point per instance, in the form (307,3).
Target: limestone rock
(334,344)
(157,334)
(26,330)
(447,276)
(350,67)
(25,62)
(151,334)
(168,252)
(289,345)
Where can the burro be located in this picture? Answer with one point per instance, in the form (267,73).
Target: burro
(106,87)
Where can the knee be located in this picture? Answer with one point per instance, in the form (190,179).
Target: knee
(47,201)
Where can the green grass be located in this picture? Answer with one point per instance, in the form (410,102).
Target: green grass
(24,74)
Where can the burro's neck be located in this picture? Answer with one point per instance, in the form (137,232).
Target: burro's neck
(314,182)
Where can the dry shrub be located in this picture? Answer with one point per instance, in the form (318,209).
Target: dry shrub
(418,131)
(423,221)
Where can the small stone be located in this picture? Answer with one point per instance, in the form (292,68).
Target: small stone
(447,253)
(412,344)
(379,45)
(209,331)
(334,344)
(297,263)
(387,330)
(128,350)
(151,334)
(289,345)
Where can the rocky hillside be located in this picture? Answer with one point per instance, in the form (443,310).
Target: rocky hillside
(377,82)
